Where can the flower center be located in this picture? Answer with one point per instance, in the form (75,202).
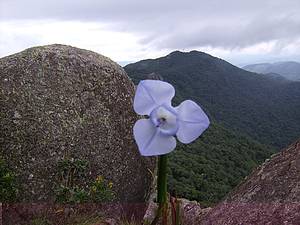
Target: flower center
(165,119)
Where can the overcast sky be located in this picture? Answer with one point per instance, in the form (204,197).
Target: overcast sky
(240,31)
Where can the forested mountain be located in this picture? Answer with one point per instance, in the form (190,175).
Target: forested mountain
(290,70)
(264,108)
(207,169)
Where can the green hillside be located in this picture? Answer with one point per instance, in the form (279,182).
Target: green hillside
(210,167)
(261,107)
(250,106)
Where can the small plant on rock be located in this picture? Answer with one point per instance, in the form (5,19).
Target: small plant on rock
(8,187)
(70,190)
(101,191)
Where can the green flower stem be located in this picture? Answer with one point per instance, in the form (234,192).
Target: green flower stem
(161,190)
(162,181)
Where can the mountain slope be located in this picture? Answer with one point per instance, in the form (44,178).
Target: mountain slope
(207,169)
(289,70)
(270,195)
(262,107)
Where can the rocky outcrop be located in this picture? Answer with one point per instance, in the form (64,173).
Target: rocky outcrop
(190,212)
(59,102)
(270,195)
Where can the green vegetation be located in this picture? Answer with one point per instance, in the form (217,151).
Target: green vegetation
(74,220)
(246,109)
(69,189)
(101,191)
(71,194)
(40,221)
(8,185)
(261,107)
(93,219)
(85,219)
(210,167)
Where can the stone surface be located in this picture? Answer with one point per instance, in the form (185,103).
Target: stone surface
(60,102)
(270,195)
(191,212)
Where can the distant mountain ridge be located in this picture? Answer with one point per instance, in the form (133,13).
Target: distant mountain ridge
(262,107)
(289,69)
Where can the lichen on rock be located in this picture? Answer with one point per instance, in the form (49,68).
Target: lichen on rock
(60,102)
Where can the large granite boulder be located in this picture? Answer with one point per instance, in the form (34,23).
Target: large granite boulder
(63,103)
(270,195)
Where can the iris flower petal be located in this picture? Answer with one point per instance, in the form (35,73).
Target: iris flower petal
(192,121)
(150,94)
(150,140)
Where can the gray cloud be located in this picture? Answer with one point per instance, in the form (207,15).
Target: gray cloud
(175,24)
(283,30)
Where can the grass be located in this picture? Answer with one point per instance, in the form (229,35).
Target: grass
(40,221)
(93,220)
(80,220)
